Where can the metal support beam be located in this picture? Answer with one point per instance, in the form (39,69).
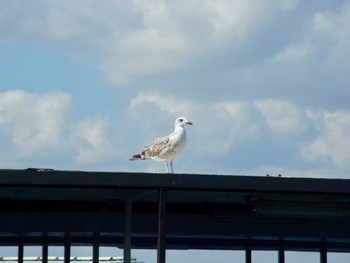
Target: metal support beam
(67,250)
(323,255)
(96,248)
(127,229)
(248,256)
(20,253)
(45,253)
(161,246)
(281,257)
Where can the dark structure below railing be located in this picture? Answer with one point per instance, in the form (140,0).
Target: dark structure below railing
(173,211)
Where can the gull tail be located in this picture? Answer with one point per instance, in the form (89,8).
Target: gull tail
(140,156)
(136,157)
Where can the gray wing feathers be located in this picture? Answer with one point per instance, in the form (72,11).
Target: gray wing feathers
(155,150)
(157,147)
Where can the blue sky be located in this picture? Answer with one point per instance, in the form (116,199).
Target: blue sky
(86,84)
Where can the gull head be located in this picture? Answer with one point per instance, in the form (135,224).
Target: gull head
(182,121)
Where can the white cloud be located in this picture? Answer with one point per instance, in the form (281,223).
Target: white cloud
(144,52)
(129,40)
(157,45)
(333,28)
(33,122)
(282,116)
(170,105)
(36,127)
(324,37)
(294,53)
(234,22)
(94,141)
(333,141)
(62,21)
(288,4)
(132,39)
(230,122)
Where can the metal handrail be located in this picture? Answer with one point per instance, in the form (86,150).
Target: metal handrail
(61,259)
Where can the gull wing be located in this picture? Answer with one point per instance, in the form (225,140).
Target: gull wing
(157,147)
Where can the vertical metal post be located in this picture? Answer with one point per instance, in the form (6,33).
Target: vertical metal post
(127,229)
(248,256)
(45,253)
(323,255)
(67,248)
(20,253)
(96,248)
(161,246)
(281,257)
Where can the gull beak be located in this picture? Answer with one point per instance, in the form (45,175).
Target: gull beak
(188,122)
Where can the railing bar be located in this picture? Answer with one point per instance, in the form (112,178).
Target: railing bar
(127,229)
(323,255)
(161,246)
(248,256)
(67,248)
(281,256)
(45,253)
(96,248)
(61,259)
(20,253)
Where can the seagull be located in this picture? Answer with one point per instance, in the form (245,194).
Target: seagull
(166,148)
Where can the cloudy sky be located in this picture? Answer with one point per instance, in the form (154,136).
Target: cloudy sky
(85,84)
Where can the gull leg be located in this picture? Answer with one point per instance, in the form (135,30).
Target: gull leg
(171,165)
(166,167)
